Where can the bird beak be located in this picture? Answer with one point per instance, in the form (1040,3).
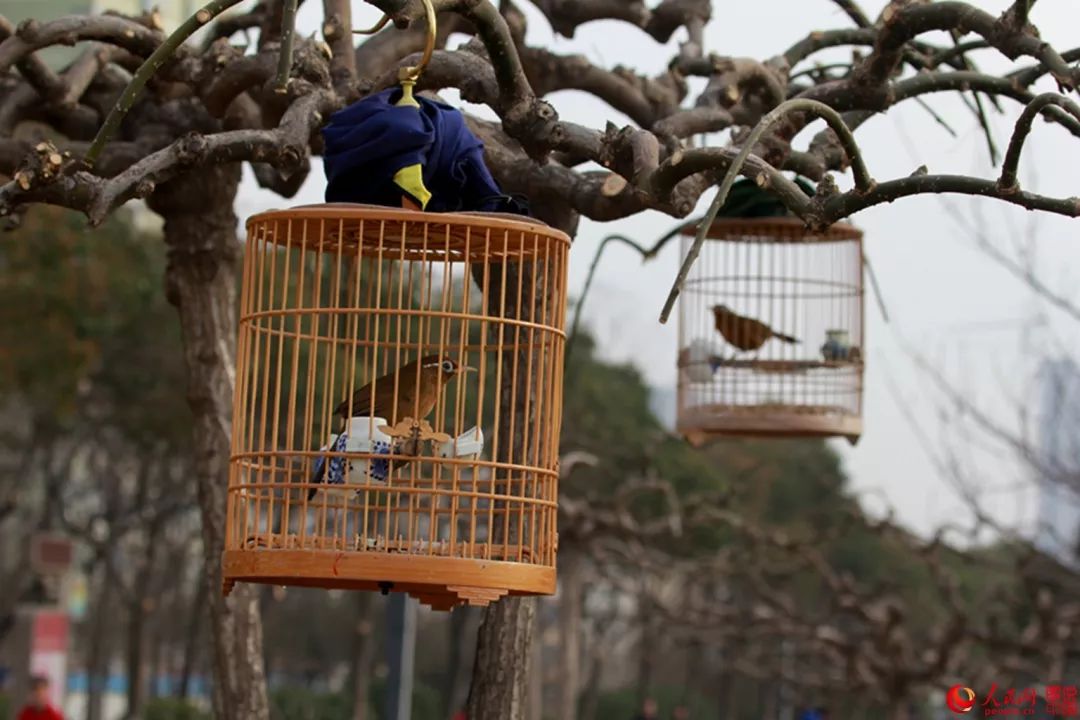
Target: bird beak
(466,368)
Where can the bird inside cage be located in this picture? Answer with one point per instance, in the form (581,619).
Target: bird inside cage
(747,199)
(745,333)
(419,385)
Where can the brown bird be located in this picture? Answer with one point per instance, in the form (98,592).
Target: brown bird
(743,332)
(415,399)
(434,372)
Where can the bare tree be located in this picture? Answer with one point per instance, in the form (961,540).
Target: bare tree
(210,108)
(26,461)
(773,588)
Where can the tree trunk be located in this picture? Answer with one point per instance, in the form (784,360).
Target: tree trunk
(135,675)
(767,698)
(725,683)
(570,609)
(501,670)
(156,645)
(200,281)
(191,640)
(646,649)
(499,689)
(97,655)
(13,582)
(500,676)
(363,654)
(137,609)
(464,621)
(590,696)
(536,682)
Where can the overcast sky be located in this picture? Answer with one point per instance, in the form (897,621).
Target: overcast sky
(973,320)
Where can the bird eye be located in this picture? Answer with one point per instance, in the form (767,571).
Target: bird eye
(447,366)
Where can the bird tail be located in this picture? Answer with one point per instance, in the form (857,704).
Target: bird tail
(316,477)
(786,338)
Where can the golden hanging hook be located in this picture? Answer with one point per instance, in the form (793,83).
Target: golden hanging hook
(412,74)
(411,178)
(378,26)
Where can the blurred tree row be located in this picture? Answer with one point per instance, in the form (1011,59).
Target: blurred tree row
(95,441)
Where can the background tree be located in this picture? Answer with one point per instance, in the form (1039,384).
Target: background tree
(92,363)
(796,590)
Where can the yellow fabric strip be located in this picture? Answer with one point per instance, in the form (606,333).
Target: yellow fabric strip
(411,180)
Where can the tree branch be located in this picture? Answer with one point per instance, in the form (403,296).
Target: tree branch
(33,68)
(283,147)
(841,206)
(1007,181)
(112,29)
(337,30)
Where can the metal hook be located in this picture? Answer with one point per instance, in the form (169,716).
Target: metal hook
(412,74)
(378,26)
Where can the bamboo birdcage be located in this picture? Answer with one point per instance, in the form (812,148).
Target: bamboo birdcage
(804,284)
(458,506)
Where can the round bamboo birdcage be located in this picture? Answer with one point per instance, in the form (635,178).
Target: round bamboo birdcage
(771,332)
(398,403)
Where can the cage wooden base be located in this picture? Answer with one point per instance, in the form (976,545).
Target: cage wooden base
(438,581)
(701,423)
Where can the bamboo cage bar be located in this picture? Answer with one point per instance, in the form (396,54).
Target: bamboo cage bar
(803,284)
(440,337)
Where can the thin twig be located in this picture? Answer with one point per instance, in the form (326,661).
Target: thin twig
(1024,274)
(979,109)
(877,288)
(853,11)
(646,254)
(285,54)
(958,50)
(933,113)
(984,123)
(147,71)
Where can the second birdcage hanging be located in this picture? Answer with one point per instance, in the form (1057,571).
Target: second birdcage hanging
(398,404)
(771,331)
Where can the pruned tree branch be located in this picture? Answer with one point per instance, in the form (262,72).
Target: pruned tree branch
(1007,181)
